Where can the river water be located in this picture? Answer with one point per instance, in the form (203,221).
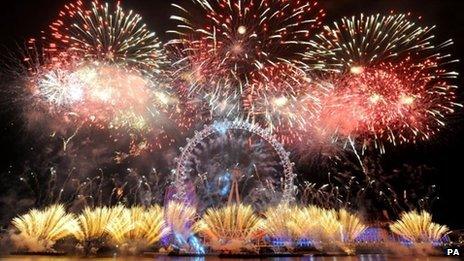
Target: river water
(166,258)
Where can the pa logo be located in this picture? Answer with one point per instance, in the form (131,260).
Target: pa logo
(452,252)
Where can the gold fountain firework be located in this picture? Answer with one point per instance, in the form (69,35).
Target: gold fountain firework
(137,228)
(230,228)
(278,219)
(92,223)
(41,229)
(178,216)
(417,227)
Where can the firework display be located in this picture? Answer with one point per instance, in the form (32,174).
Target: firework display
(91,229)
(40,229)
(102,94)
(364,40)
(401,85)
(276,224)
(418,227)
(231,40)
(136,228)
(398,103)
(74,92)
(230,228)
(284,99)
(179,217)
(246,35)
(100,31)
(254,129)
(101,66)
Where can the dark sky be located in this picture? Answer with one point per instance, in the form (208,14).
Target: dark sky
(20,19)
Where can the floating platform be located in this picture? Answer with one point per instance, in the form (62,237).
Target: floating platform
(38,253)
(258,255)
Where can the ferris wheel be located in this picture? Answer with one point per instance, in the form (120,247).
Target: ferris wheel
(233,161)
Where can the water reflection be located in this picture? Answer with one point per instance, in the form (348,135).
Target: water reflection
(166,258)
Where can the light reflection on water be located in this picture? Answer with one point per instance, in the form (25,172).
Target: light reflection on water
(166,258)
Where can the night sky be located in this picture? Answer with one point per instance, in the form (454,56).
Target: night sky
(22,19)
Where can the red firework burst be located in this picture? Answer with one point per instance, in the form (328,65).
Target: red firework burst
(107,32)
(396,103)
(282,98)
(239,37)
